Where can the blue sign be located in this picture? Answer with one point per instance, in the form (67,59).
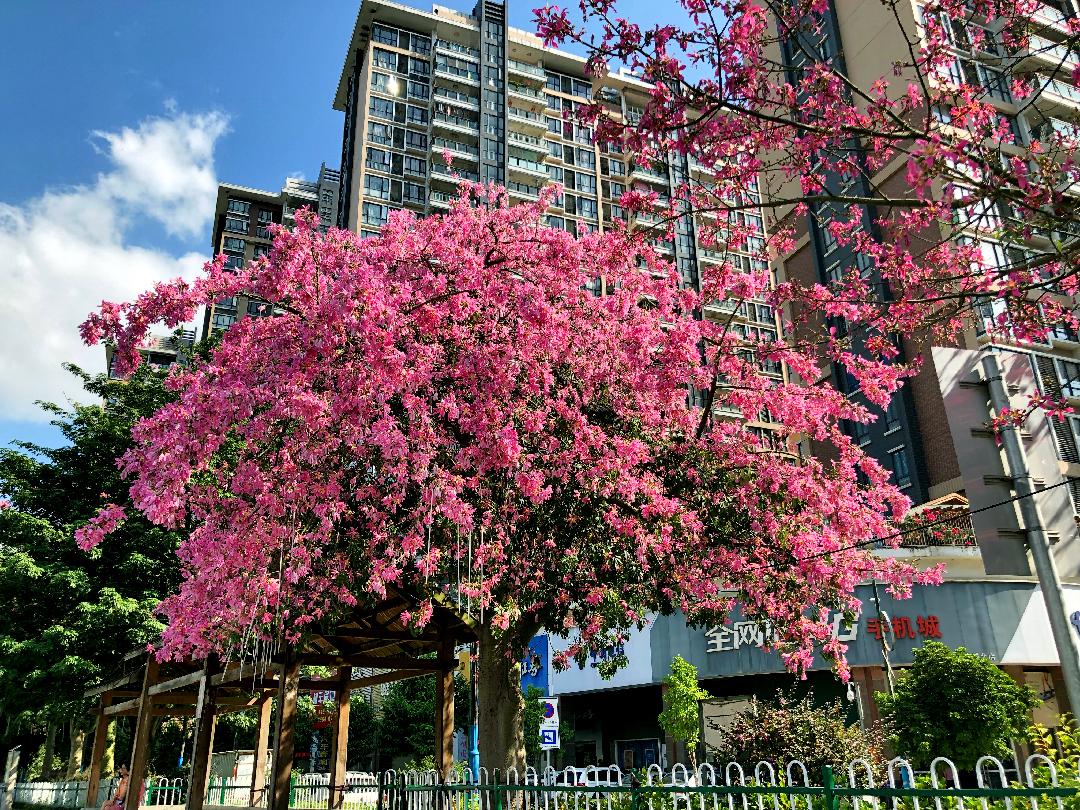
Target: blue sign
(534,665)
(549,738)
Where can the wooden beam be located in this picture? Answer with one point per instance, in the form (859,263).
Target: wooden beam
(379,662)
(115,683)
(176,683)
(140,747)
(122,708)
(284,740)
(97,754)
(236,674)
(444,710)
(203,747)
(378,634)
(339,741)
(262,741)
(387,677)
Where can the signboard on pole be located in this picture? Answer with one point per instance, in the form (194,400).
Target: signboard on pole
(549,723)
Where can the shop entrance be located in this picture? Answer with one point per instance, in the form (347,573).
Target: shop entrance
(633,754)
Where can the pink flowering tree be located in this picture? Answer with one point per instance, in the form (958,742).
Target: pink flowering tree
(941,185)
(449,407)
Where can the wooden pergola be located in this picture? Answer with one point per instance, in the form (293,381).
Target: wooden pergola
(372,637)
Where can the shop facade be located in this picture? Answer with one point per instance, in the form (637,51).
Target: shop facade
(615,720)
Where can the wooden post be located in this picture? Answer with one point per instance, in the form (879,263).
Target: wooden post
(202,749)
(288,692)
(262,742)
(339,740)
(140,746)
(444,710)
(101,733)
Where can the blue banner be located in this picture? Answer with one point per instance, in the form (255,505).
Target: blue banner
(534,666)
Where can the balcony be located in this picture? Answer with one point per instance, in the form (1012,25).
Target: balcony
(456,148)
(457,49)
(522,190)
(527,94)
(529,143)
(1048,53)
(456,74)
(937,531)
(648,175)
(533,72)
(527,167)
(456,123)
(440,199)
(1055,96)
(457,98)
(1051,17)
(519,116)
(455,175)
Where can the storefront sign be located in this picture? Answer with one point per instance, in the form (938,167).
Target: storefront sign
(758,634)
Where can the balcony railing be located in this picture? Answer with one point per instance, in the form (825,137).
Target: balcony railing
(524,67)
(526,141)
(1045,85)
(936,529)
(526,115)
(454,47)
(438,144)
(522,90)
(527,165)
(454,97)
(454,175)
(532,192)
(457,121)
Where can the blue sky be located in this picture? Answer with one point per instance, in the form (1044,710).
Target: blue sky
(119,120)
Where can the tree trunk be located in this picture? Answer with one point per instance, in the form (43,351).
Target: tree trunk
(48,755)
(501,707)
(75,752)
(108,759)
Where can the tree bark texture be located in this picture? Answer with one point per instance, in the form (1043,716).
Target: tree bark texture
(75,751)
(501,706)
(49,754)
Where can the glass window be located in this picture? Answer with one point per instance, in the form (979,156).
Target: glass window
(583,89)
(378,159)
(414,165)
(585,157)
(901,471)
(416,140)
(261,250)
(381,108)
(587,207)
(241,207)
(380,133)
(383,59)
(892,413)
(233,244)
(586,183)
(236,225)
(384,34)
(418,89)
(375,214)
(265,217)
(417,115)
(1068,377)
(414,193)
(376,186)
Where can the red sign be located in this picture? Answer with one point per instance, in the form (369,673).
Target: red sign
(924,627)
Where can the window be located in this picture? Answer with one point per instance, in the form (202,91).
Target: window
(235,225)
(234,245)
(419,67)
(616,168)
(554,149)
(385,83)
(901,471)
(587,207)
(233,262)
(421,44)
(414,193)
(419,89)
(375,214)
(380,133)
(384,34)
(585,158)
(383,59)
(582,89)
(415,140)
(555,173)
(1068,374)
(586,183)
(240,207)
(378,159)
(415,165)
(417,116)
(892,414)
(261,250)
(258,309)
(265,217)
(381,108)
(262,231)
(376,186)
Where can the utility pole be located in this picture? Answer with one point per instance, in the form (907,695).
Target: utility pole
(885,626)
(474,729)
(1045,567)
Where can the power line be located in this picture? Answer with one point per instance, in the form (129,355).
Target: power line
(966,513)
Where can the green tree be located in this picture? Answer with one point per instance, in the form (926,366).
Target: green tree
(407,719)
(681,717)
(956,704)
(70,617)
(790,728)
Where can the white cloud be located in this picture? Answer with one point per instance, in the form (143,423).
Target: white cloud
(64,252)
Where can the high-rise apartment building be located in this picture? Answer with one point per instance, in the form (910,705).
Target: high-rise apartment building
(242,220)
(420,85)
(913,437)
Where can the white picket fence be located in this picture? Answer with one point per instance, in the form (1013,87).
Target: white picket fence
(943,775)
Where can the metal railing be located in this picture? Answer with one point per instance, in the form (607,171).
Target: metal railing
(868,786)
(524,67)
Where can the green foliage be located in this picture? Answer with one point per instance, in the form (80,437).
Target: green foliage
(797,729)
(70,616)
(955,704)
(407,720)
(1062,747)
(681,717)
(531,723)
